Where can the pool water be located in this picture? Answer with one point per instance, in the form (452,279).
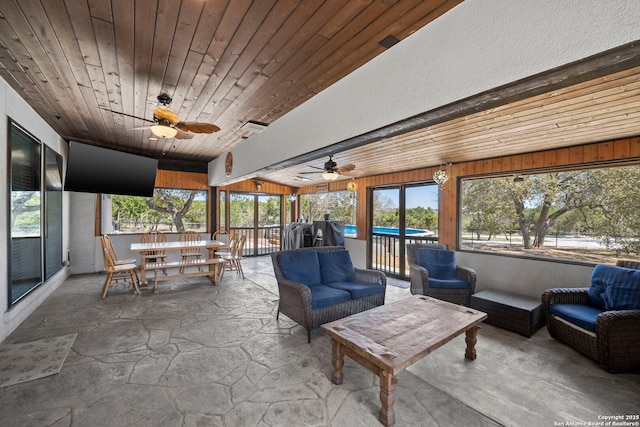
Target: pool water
(350,230)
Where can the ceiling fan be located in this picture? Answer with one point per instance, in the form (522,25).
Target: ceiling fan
(331,171)
(166,123)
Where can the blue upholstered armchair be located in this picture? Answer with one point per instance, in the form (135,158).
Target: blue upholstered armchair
(603,320)
(434,273)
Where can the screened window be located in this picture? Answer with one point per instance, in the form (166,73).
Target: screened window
(340,205)
(588,216)
(169,210)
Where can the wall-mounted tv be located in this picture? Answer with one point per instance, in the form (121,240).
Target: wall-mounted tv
(92,169)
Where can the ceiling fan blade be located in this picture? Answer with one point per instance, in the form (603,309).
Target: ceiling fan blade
(128,115)
(320,171)
(166,113)
(346,168)
(316,167)
(183,135)
(140,128)
(197,127)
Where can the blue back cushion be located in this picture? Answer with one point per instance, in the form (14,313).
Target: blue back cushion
(440,263)
(300,266)
(622,287)
(336,266)
(615,288)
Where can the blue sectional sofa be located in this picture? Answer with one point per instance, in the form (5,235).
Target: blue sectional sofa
(601,321)
(320,285)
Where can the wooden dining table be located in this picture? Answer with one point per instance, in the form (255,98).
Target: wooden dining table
(215,264)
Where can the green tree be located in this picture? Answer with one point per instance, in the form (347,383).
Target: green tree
(173,203)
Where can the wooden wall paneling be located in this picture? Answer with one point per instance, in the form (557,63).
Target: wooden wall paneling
(590,153)
(495,164)
(621,149)
(605,151)
(634,147)
(516,162)
(549,159)
(183,180)
(562,156)
(576,155)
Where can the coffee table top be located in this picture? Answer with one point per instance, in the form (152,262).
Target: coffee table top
(396,335)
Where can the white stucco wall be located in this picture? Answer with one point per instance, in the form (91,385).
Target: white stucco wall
(477,46)
(14,107)
(523,276)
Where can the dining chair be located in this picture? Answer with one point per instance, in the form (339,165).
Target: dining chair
(116,272)
(106,242)
(230,239)
(155,255)
(221,236)
(237,254)
(190,253)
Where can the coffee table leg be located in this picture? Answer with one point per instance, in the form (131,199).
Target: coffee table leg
(337,361)
(388,398)
(471,339)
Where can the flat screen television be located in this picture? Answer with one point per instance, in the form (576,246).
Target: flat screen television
(92,169)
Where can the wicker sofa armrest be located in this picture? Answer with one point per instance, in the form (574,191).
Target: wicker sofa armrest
(619,319)
(564,296)
(618,340)
(295,300)
(371,276)
(469,275)
(419,279)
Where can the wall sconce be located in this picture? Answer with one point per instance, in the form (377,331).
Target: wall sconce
(292,198)
(258,185)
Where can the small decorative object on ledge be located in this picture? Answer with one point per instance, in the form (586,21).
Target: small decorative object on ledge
(292,197)
(258,185)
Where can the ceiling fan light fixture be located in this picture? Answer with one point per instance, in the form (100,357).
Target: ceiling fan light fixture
(330,176)
(163,131)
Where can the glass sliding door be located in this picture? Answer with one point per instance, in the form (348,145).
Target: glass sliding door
(384,235)
(400,215)
(258,217)
(269,226)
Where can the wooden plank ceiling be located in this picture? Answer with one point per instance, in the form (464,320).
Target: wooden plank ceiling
(224,62)
(231,61)
(605,108)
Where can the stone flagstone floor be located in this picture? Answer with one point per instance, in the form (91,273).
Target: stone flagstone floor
(202,355)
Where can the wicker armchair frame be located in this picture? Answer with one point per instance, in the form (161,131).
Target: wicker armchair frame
(616,343)
(419,277)
(295,298)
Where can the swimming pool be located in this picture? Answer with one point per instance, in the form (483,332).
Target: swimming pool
(350,230)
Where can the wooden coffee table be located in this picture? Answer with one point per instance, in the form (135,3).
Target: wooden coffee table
(389,338)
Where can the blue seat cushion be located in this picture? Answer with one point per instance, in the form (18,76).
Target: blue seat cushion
(614,288)
(582,315)
(300,266)
(325,296)
(357,288)
(336,266)
(448,283)
(440,263)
